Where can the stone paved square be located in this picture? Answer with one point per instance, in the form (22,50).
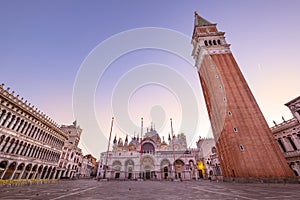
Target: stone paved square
(92,189)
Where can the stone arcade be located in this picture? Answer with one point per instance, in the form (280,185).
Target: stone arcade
(30,142)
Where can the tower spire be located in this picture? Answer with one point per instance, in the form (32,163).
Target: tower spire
(126,139)
(199,21)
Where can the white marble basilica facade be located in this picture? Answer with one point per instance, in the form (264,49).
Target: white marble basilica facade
(149,158)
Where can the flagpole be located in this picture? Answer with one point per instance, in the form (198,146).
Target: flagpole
(141,148)
(111,126)
(173,147)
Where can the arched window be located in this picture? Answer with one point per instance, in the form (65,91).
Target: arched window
(281,145)
(25,125)
(19,148)
(3,164)
(205,42)
(6,142)
(16,123)
(214,150)
(147,147)
(27,149)
(11,144)
(15,147)
(21,123)
(292,143)
(37,149)
(24,149)
(6,118)
(26,130)
(11,121)
(2,139)
(9,171)
(37,134)
(214,41)
(32,131)
(2,114)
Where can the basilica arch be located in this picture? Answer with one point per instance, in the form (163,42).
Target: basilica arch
(116,169)
(148,147)
(129,167)
(165,168)
(148,167)
(179,168)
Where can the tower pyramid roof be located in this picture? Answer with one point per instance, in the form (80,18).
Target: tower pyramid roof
(199,21)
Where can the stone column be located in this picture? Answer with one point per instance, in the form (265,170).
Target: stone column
(39,174)
(21,174)
(13,122)
(287,144)
(26,148)
(18,148)
(297,115)
(59,174)
(8,120)
(24,127)
(27,129)
(17,123)
(34,174)
(54,173)
(29,172)
(7,145)
(13,146)
(3,118)
(4,172)
(47,174)
(20,127)
(32,151)
(3,143)
(173,172)
(13,174)
(29,150)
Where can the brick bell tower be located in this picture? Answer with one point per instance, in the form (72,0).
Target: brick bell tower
(244,141)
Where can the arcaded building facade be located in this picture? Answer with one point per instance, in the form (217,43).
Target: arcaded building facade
(244,142)
(149,158)
(287,134)
(30,142)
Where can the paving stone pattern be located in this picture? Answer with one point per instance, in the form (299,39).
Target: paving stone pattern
(113,190)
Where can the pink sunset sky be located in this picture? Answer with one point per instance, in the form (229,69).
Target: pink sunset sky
(44,43)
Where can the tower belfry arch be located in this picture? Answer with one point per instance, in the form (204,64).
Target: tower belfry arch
(245,144)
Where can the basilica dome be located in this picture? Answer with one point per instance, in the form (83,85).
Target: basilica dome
(153,135)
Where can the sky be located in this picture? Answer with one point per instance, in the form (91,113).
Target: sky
(45,47)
